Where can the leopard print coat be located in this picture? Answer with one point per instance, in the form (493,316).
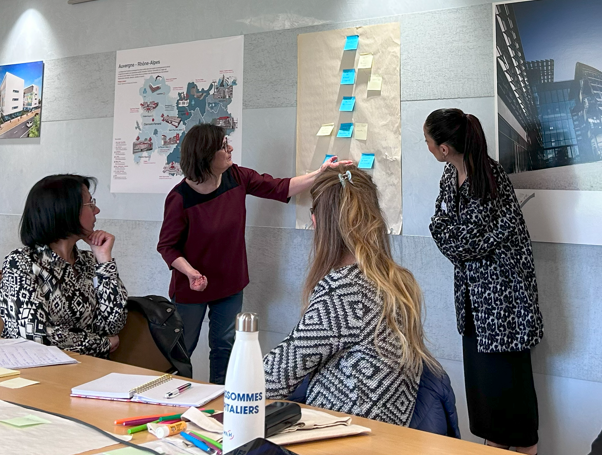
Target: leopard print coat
(489,245)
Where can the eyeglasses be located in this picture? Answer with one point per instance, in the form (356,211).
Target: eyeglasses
(92,203)
(225,144)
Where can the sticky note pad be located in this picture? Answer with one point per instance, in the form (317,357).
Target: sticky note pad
(375,83)
(361,131)
(365,61)
(5,372)
(345,130)
(17,383)
(366,161)
(347,104)
(325,129)
(351,42)
(326,158)
(348,77)
(25,421)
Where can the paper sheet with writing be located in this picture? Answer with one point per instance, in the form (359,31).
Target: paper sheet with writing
(319,97)
(30,355)
(59,437)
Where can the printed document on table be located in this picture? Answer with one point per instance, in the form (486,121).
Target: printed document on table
(22,355)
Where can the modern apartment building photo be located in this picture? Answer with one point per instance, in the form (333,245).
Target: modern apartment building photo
(549,99)
(21,100)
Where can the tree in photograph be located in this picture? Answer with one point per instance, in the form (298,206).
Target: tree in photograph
(35,129)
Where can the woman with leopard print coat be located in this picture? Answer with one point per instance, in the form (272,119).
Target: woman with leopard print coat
(478,225)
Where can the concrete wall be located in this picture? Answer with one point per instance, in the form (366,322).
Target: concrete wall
(447,60)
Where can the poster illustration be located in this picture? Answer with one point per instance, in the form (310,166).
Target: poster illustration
(549,115)
(160,93)
(21,100)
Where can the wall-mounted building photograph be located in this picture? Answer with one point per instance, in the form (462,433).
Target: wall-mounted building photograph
(549,87)
(549,114)
(21,100)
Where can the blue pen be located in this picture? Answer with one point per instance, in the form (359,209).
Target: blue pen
(200,444)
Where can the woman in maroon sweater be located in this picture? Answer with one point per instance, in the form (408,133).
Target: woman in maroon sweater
(203,236)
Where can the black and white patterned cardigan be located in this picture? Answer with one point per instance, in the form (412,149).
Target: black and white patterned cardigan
(334,342)
(45,299)
(490,247)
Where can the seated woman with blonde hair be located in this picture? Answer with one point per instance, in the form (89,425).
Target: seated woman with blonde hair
(360,337)
(53,293)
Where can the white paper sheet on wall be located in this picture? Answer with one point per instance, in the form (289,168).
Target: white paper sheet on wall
(319,100)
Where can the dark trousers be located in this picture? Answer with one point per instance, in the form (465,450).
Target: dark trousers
(222,317)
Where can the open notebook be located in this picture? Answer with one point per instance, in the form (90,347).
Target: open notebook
(147,389)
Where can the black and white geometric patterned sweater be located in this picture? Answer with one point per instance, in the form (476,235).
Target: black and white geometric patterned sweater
(45,299)
(335,343)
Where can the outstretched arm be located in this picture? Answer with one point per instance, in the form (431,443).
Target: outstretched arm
(302,183)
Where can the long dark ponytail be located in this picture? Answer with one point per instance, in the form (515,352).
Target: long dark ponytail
(464,133)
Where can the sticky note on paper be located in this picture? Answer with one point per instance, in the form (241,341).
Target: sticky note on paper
(366,161)
(375,83)
(347,104)
(126,451)
(351,42)
(345,130)
(325,129)
(365,61)
(326,158)
(17,383)
(25,421)
(361,131)
(348,77)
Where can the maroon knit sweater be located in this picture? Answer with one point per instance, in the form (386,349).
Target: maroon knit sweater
(209,231)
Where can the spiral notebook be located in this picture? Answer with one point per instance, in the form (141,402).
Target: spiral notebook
(147,389)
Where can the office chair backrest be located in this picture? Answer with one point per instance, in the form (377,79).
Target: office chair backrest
(136,344)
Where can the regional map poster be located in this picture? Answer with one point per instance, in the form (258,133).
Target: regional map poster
(160,93)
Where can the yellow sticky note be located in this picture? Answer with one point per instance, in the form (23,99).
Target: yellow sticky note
(365,61)
(361,131)
(375,83)
(326,129)
(5,372)
(17,383)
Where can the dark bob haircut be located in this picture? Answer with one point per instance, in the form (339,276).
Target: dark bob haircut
(199,147)
(53,208)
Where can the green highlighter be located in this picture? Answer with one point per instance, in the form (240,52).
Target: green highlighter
(171,417)
(209,440)
(139,428)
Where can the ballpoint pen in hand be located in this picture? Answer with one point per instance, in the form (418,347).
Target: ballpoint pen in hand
(179,390)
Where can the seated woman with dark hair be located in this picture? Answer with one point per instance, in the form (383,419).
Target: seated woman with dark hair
(52,292)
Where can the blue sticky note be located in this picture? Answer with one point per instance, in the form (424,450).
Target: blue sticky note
(366,161)
(326,158)
(347,104)
(348,77)
(351,42)
(345,130)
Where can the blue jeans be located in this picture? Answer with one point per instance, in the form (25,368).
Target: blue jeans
(222,318)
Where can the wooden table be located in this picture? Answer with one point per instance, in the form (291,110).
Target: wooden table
(52,394)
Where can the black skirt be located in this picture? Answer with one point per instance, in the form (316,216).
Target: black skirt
(502,404)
